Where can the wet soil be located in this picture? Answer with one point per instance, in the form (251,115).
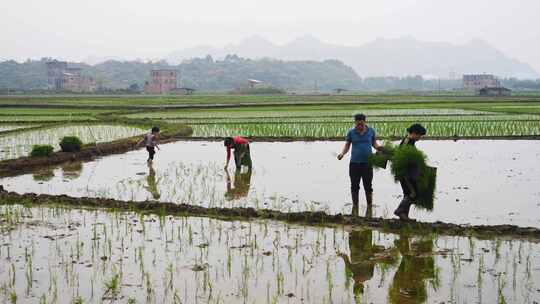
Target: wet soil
(307,218)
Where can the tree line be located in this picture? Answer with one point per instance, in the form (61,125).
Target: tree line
(231,73)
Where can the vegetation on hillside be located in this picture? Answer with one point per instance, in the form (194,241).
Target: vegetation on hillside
(202,74)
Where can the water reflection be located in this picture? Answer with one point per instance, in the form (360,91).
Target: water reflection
(72,170)
(272,262)
(240,187)
(417,266)
(43,175)
(414,256)
(364,256)
(313,184)
(152,183)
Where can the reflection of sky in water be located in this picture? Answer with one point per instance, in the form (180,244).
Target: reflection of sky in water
(487,182)
(257,261)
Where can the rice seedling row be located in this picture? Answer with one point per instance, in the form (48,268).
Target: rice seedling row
(348,119)
(299,111)
(383,129)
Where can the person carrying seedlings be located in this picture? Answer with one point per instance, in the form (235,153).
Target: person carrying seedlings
(242,156)
(362,138)
(150,141)
(409,181)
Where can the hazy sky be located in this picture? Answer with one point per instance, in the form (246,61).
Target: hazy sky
(78,29)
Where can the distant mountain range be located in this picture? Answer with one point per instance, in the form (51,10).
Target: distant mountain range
(381,57)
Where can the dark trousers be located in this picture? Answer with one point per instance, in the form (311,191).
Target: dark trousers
(360,172)
(245,160)
(151,152)
(409,188)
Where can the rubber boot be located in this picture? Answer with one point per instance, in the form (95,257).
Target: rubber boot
(402,210)
(369,199)
(355,198)
(369,211)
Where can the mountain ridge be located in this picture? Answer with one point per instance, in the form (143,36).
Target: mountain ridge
(380,57)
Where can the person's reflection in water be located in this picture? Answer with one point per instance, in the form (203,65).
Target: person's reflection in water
(368,213)
(72,170)
(364,256)
(43,175)
(242,182)
(151,180)
(416,267)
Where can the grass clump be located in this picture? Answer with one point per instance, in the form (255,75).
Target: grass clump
(41,150)
(71,144)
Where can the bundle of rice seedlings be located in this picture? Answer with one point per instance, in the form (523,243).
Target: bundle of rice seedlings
(380,158)
(426,188)
(409,162)
(405,159)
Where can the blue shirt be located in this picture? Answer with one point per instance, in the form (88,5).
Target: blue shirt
(361,144)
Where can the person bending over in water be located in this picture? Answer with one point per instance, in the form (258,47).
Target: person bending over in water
(242,156)
(409,182)
(150,141)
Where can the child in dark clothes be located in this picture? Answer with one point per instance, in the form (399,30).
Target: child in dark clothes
(150,141)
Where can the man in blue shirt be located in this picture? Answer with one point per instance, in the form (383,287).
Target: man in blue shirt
(361,138)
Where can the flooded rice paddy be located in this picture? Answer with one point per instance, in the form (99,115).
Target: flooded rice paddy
(47,118)
(53,255)
(479,181)
(9,127)
(309,111)
(20,144)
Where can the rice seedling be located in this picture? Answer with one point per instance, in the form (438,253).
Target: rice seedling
(300,112)
(203,183)
(388,129)
(248,274)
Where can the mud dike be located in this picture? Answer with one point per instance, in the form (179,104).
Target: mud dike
(247,214)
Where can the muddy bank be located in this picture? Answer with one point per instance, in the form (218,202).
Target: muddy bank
(306,218)
(11,167)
